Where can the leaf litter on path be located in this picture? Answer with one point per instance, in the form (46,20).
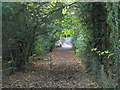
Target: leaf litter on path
(63,70)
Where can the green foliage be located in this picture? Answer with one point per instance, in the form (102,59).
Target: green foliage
(34,27)
(80,43)
(39,48)
(23,22)
(64,27)
(98,29)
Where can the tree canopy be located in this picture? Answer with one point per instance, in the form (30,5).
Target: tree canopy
(34,27)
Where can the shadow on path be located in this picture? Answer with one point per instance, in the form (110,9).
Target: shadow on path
(64,70)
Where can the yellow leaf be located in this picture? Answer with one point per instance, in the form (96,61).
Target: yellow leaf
(102,53)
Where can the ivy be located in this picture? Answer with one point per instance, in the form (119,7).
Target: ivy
(34,27)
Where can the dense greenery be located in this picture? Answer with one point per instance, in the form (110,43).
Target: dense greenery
(25,25)
(98,40)
(34,27)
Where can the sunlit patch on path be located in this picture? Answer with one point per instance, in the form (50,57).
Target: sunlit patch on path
(60,70)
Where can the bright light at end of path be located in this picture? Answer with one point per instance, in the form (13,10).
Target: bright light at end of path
(67,46)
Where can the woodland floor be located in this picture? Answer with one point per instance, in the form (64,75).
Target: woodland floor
(61,70)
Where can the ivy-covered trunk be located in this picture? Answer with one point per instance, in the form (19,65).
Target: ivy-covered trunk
(101,33)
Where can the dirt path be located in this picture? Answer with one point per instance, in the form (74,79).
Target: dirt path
(63,71)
